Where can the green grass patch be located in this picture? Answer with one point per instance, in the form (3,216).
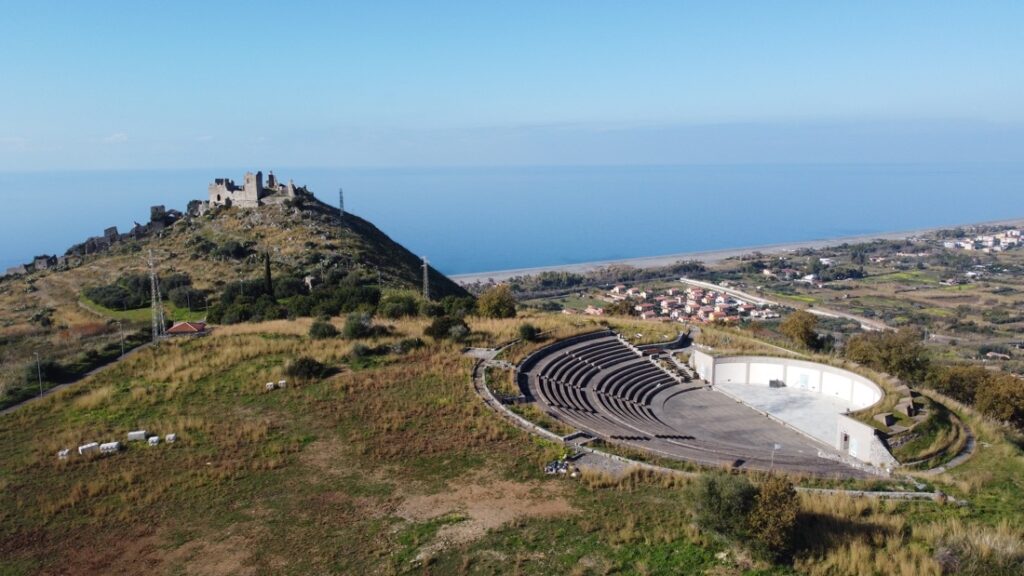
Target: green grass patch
(910,277)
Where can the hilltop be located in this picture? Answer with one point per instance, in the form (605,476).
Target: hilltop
(308,243)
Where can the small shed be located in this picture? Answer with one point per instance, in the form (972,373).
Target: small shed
(187,329)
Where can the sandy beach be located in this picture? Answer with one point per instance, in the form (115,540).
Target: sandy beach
(711,256)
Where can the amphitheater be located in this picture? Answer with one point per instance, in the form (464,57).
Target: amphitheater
(755,413)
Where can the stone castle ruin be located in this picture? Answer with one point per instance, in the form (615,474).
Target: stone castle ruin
(223,192)
(252,193)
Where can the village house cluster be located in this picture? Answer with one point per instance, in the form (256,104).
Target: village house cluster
(693,304)
(987,243)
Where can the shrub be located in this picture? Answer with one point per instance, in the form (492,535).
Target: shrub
(396,306)
(901,354)
(232,250)
(497,302)
(187,297)
(458,307)
(322,330)
(358,325)
(772,520)
(447,327)
(407,345)
(306,369)
(529,332)
(723,503)
(800,327)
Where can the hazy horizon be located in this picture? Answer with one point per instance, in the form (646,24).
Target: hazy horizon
(483,219)
(449,84)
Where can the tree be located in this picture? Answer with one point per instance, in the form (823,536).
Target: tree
(1002,398)
(959,381)
(620,308)
(322,330)
(800,327)
(899,353)
(187,297)
(772,520)
(497,302)
(268,278)
(723,503)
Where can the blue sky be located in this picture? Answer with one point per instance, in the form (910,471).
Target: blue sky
(105,84)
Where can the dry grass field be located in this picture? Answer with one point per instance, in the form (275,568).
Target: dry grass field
(396,467)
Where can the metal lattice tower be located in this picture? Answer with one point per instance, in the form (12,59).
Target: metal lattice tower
(341,201)
(426,279)
(157,300)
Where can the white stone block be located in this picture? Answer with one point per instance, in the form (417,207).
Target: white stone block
(87,448)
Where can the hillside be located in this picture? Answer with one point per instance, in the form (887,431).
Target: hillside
(397,467)
(47,313)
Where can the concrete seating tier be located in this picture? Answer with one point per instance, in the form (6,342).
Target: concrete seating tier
(604,384)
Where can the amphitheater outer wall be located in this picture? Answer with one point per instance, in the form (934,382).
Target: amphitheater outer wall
(853,438)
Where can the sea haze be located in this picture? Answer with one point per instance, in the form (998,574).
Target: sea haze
(483,219)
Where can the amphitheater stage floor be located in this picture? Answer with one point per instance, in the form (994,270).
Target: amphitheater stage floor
(723,425)
(811,413)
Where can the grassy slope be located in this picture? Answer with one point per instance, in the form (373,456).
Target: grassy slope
(292,238)
(326,477)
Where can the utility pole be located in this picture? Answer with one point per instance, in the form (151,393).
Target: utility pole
(426,279)
(39,374)
(157,300)
(120,328)
(341,201)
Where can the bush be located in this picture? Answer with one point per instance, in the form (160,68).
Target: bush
(306,369)
(187,297)
(458,307)
(497,302)
(358,325)
(901,354)
(396,306)
(723,503)
(800,327)
(447,328)
(529,332)
(232,250)
(773,519)
(322,330)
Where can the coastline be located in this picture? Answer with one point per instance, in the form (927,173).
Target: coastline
(712,256)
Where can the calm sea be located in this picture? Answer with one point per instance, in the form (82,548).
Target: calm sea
(482,219)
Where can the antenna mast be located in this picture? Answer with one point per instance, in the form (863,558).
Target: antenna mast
(426,279)
(157,300)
